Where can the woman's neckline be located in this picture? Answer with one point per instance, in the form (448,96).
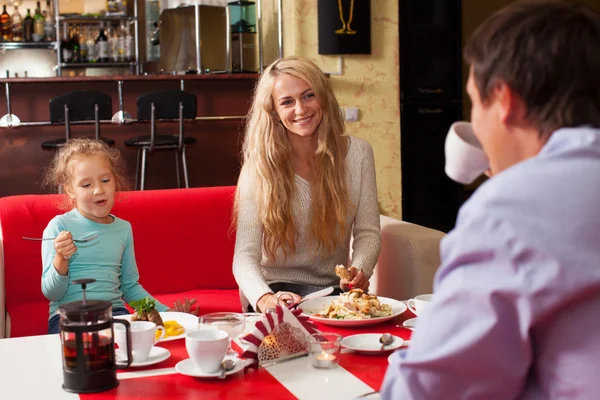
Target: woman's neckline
(305,181)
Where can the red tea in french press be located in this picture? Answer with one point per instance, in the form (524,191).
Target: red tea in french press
(86,333)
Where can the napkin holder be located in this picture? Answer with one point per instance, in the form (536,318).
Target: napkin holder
(281,337)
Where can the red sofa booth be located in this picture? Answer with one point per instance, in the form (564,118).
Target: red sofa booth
(183,247)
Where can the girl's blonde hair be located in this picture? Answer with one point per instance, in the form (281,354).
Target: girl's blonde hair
(59,173)
(267,156)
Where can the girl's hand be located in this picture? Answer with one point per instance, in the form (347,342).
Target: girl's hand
(64,245)
(359,280)
(269,300)
(186,306)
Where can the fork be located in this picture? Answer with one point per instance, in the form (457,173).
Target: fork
(85,240)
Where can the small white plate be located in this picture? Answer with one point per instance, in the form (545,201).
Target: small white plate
(369,343)
(397,355)
(186,367)
(410,323)
(157,354)
(312,307)
(188,321)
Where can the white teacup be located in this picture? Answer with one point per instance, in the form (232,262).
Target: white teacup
(207,348)
(143,337)
(465,159)
(419,303)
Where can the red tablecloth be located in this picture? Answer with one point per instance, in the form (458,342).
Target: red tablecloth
(251,383)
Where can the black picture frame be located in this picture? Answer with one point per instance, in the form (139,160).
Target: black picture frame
(344,26)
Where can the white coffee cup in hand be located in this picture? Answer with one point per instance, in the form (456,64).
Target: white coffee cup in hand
(465,159)
(143,338)
(207,348)
(418,304)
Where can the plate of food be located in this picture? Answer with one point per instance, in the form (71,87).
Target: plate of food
(176,324)
(353,308)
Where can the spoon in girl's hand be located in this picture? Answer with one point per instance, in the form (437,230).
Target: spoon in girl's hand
(226,365)
(385,340)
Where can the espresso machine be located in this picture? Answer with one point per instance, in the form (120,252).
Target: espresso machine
(87,337)
(244,39)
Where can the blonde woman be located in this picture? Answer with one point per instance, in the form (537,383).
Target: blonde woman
(304,190)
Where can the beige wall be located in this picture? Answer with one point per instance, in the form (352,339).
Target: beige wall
(369,82)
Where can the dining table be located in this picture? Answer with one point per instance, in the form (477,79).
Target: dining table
(31,368)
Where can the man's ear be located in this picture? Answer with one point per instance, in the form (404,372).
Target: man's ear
(510,105)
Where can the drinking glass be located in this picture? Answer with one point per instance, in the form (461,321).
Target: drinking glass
(232,323)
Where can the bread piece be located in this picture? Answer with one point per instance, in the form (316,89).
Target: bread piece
(342,272)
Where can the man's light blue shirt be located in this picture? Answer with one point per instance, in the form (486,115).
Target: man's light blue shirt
(516,312)
(109,259)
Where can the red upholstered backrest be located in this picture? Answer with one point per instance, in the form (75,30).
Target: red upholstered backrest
(181,236)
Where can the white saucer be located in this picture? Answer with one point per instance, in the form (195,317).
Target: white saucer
(410,323)
(369,343)
(397,355)
(157,354)
(186,367)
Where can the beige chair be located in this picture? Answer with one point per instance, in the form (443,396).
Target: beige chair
(409,258)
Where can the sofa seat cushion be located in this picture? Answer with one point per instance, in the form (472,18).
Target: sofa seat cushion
(31,318)
(28,318)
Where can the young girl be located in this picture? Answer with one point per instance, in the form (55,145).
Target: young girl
(90,173)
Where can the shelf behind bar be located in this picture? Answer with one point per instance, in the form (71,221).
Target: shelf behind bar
(98,65)
(48,123)
(85,18)
(27,45)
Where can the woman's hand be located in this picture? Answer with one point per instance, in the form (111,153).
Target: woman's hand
(269,300)
(185,306)
(65,248)
(358,281)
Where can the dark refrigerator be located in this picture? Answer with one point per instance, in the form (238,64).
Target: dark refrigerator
(430,101)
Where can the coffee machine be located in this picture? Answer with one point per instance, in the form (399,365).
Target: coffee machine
(244,39)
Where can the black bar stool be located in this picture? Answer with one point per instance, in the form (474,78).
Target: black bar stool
(165,105)
(81,105)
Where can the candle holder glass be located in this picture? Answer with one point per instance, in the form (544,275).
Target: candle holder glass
(324,350)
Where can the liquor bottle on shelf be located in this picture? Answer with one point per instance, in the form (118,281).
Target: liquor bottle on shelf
(102,46)
(91,45)
(5,26)
(48,23)
(121,45)
(113,44)
(128,44)
(28,27)
(17,25)
(65,46)
(75,44)
(83,49)
(38,24)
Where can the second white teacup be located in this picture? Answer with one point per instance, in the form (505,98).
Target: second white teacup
(207,348)
(143,337)
(465,159)
(418,304)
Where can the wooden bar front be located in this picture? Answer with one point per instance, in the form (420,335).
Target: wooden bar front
(213,161)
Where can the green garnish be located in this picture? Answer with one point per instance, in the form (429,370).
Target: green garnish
(144,305)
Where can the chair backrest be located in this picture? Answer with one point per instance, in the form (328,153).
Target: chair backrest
(166,104)
(81,106)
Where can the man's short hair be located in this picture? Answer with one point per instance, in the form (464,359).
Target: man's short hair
(548,52)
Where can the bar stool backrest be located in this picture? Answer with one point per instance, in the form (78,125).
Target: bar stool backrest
(166,104)
(81,105)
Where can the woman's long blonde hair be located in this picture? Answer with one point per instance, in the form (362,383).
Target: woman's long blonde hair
(267,161)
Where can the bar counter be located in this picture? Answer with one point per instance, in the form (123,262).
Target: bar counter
(222,103)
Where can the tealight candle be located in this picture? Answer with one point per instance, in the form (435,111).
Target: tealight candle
(324,360)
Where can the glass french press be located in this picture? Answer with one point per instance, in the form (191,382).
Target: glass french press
(86,333)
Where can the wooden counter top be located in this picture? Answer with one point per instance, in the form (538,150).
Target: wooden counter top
(149,77)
